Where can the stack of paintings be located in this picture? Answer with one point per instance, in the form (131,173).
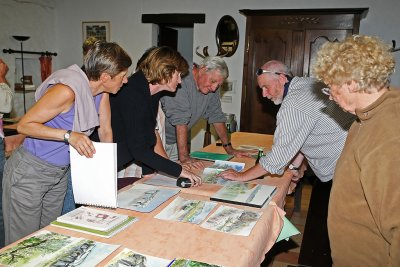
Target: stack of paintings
(94,221)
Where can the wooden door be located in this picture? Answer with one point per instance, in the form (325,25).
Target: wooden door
(314,39)
(258,113)
(168,37)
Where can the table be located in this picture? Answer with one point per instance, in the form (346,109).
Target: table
(170,240)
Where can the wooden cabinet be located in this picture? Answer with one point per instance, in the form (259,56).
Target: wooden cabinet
(293,37)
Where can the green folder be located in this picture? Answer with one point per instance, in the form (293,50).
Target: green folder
(287,231)
(210,156)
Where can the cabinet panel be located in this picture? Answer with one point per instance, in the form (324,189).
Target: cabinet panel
(314,39)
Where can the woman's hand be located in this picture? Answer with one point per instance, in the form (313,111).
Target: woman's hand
(82,144)
(194,179)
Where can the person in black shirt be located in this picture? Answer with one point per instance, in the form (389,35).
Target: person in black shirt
(134,112)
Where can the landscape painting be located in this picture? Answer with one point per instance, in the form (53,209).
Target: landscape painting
(185,210)
(247,194)
(128,257)
(232,220)
(51,249)
(191,263)
(161,180)
(225,165)
(144,198)
(210,176)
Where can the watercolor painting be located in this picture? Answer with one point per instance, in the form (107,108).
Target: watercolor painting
(245,194)
(93,218)
(184,210)
(144,198)
(232,220)
(191,263)
(162,180)
(225,165)
(210,176)
(131,258)
(51,249)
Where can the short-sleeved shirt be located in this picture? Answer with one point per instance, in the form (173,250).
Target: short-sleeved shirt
(188,105)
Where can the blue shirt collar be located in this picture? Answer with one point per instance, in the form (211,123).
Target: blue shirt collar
(286,86)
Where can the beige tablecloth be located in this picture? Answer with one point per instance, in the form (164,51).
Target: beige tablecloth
(168,239)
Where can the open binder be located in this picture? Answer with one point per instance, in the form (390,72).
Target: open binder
(94,180)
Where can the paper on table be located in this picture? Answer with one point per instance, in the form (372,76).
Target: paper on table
(186,210)
(247,194)
(144,198)
(162,180)
(287,231)
(129,257)
(232,220)
(94,180)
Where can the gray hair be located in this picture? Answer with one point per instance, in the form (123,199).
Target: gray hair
(215,63)
(277,66)
(105,57)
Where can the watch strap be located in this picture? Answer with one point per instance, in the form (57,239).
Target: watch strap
(67,135)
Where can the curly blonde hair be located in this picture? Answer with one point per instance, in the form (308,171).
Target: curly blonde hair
(364,59)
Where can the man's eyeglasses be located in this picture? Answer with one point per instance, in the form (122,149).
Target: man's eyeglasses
(261,71)
(326,91)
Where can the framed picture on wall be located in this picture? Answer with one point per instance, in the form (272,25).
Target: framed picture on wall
(97,29)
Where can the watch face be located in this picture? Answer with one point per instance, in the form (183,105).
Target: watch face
(67,135)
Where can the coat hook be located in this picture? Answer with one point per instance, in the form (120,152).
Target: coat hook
(394,49)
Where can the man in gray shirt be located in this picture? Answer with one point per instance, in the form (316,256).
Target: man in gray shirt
(197,98)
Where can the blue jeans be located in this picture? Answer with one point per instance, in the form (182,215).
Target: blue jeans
(69,201)
(2,160)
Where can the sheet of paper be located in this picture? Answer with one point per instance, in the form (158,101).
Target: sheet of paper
(245,194)
(94,180)
(185,210)
(144,198)
(225,165)
(232,220)
(210,176)
(287,231)
(129,257)
(52,249)
(162,180)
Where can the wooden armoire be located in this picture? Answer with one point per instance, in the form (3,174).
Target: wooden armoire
(293,37)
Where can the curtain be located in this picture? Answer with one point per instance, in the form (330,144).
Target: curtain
(45,66)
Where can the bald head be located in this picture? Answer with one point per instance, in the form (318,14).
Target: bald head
(277,66)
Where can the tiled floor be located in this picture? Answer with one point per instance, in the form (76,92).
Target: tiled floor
(286,253)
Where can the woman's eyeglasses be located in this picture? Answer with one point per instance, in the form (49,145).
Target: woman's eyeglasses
(326,91)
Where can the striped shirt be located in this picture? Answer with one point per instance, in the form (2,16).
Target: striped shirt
(308,122)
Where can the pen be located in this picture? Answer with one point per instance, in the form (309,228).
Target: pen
(171,262)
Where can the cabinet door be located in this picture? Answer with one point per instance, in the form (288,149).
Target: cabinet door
(314,39)
(258,113)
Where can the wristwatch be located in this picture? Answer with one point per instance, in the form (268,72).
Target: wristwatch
(67,135)
(293,168)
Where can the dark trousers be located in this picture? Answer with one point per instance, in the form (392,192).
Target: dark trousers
(315,250)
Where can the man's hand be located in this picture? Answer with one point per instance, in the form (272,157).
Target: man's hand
(238,153)
(233,175)
(190,163)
